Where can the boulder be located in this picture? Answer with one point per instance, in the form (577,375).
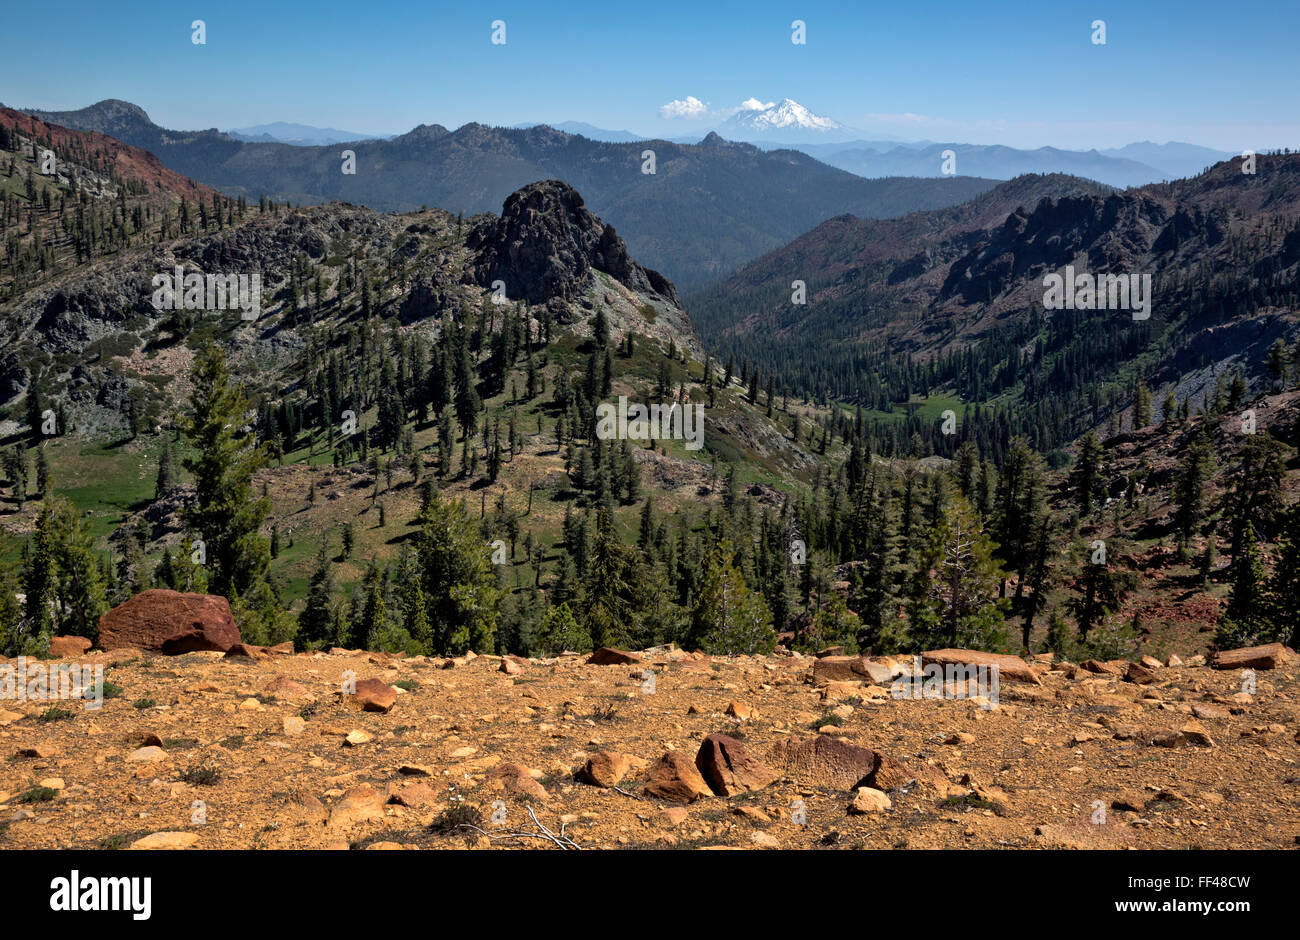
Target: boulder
(170,622)
(516,780)
(728,768)
(282,687)
(674,777)
(823,760)
(1142,675)
(247,651)
(359,804)
(605,769)
(165,840)
(372,695)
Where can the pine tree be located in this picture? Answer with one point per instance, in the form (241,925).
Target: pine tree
(956,584)
(1141,406)
(1283,587)
(62,576)
(224,513)
(729,619)
(1189,490)
(1245,620)
(560,632)
(317,616)
(460,588)
(1086,476)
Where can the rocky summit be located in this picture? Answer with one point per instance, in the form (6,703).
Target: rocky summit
(354,749)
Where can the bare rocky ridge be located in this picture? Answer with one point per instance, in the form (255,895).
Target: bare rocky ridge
(546,243)
(277,755)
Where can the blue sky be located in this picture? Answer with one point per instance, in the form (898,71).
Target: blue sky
(1018,73)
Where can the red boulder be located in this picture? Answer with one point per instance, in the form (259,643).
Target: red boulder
(170,622)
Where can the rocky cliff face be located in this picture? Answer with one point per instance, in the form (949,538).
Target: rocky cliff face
(546,244)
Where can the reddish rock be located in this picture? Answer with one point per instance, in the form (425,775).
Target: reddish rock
(1098,667)
(412,795)
(825,761)
(606,769)
(66,647)
(286,688)
(359,804)
(170,622)
(1011,668)
(674,777)
(246,651)
(511,668)
(372,695)
(1269,656)
(729,769)
(515,779)
(282,649)
(612,657)
(1140,674)
(839,668)
(891,774)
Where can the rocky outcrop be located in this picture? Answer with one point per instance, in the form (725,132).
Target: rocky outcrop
(547,243)
(170,622)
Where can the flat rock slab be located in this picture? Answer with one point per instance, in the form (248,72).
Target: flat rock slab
(1012,668)
(605,656)
(1269,656)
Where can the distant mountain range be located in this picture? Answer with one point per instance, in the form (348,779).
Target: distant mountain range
(1133,165)
(301,135)
(706,209)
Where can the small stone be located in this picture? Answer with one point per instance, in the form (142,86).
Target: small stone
(740,710)
(606,769)
(147,754)
(1194,733)
(166,840)
(355,737)
(868,800)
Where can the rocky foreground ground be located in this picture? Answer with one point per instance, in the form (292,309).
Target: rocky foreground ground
(223,751)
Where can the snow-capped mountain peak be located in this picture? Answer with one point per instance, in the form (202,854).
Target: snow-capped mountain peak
(785,121)
(786,113)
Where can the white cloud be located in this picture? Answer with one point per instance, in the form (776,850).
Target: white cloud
(688,107)
(753,104)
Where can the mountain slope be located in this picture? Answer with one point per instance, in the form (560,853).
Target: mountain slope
(954,299)
(707,208)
